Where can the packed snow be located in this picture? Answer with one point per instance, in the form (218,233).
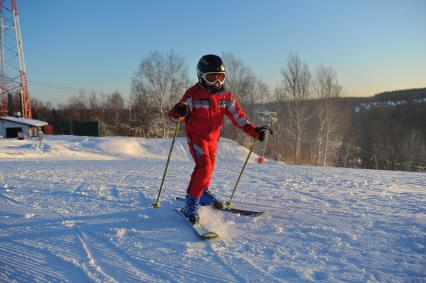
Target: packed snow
(79,209)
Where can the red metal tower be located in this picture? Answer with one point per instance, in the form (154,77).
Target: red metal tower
(13,74)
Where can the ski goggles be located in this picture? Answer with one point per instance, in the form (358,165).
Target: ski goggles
(212,77)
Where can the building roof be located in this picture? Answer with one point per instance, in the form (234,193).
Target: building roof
(29,122)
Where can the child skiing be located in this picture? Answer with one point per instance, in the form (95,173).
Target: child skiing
(203,107)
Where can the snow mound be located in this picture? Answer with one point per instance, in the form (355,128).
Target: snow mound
(122,147)
(107,148)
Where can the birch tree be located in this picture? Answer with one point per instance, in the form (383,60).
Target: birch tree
(296,84)
(327,91)
(163,80)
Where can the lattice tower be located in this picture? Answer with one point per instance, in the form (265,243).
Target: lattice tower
(14,95)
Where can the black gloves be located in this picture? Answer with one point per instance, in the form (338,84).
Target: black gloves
(262,132)
(181,110)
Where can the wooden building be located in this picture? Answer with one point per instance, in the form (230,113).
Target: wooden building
(12,127)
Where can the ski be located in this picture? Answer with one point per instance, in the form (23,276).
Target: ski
(201,231)
(244,212)
(235,210)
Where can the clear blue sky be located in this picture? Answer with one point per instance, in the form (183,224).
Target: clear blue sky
(374,45)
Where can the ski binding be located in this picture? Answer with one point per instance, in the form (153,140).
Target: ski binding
(236,210)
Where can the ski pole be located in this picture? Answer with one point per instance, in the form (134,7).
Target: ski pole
(156,204)
(228,203)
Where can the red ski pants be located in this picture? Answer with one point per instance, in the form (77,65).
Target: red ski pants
(204,154)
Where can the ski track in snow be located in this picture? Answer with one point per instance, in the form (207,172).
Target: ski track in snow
(79,209)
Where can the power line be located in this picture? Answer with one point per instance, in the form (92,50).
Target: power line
(55,86)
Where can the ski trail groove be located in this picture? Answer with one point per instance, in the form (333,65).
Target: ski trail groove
(213,249)
(136,270)
(91,272)
(97,269)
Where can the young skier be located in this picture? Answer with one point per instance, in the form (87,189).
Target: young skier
(203,107)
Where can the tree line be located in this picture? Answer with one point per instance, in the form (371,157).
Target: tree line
(315,125)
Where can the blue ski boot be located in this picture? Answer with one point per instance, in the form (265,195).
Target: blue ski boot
(191,210)
(209,199)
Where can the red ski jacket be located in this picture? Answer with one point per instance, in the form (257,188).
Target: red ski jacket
(207,110)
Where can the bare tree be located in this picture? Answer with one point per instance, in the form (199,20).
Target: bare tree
(327,91)
(349,152)
(162,79)
(261,94)
(41,110)
(413,151)
(114,107)
(246,87)
(98,112)
(141,116)
(296,83)
(76,109)
(238,77)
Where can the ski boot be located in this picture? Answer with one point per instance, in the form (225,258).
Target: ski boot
(209,199)
(191,210)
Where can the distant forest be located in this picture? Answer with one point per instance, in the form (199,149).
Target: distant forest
(314,124)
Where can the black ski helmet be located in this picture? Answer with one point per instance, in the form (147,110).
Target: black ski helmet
(210,64)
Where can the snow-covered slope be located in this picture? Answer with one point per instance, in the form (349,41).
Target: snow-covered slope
(108,148)
(78,209)
(387,104)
